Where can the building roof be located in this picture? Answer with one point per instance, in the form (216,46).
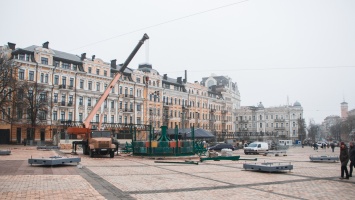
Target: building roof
(57,54)
(199,132)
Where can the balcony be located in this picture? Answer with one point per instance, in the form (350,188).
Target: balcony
(65,104)
(279,120)
(185,107)
(66,87)
(166,104)
(279,128)
(127,110)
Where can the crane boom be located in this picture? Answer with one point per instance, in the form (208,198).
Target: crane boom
(86,122)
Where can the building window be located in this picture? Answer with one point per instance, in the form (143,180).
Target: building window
(75,67)
(56,80)
(46,78)
(97,117)
(42,78)
(21,74)
(138,80)
(105,118)
(65,65)
(81,84)
(71,82)
(55,98)
(112,119)
(97,71)
(120,90)
(112,104)
(70,116)
(98,86)
(44,61)
(105,73)
(261,125)
(64,80)
(31,76)
(55,115)
(62,115)
(89,69)
(81,100)
(120,104)
(81,117)
(138,107)
(90,85)
(19,113)
(56,63)
(89,101)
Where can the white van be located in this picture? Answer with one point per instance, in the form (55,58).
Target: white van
(256,147)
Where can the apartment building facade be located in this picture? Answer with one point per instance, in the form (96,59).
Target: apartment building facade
(258,122)
(73,84)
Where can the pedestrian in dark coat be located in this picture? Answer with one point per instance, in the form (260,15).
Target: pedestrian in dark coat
(344,159)
(352,158)
(332,145)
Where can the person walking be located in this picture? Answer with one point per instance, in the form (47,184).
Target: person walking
(332,145)
(344,159)
(352,158)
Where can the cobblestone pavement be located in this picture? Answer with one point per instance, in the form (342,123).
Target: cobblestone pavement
(128,177)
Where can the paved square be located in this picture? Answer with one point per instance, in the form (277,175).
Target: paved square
(129,177)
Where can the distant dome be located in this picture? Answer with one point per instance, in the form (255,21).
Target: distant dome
(261,105)
(297,104)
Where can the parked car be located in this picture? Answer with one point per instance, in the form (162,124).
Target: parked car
(221,146)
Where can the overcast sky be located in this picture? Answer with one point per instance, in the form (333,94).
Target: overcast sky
(301,50)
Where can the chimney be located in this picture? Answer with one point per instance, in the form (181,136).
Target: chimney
(179,80)
(83,56)
(113,64)
(12,46)
(93,57)
(165,77)
(45,45)
(185,80)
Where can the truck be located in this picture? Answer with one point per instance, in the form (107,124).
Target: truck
(97,142)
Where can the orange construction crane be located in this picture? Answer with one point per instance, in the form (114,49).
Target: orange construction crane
(100,142)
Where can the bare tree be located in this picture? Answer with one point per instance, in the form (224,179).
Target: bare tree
(341,130)
(8,86)
(301,129)
(32,105)
(313,130)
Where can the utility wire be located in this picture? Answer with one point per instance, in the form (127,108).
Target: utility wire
(162,23)
(264,69)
